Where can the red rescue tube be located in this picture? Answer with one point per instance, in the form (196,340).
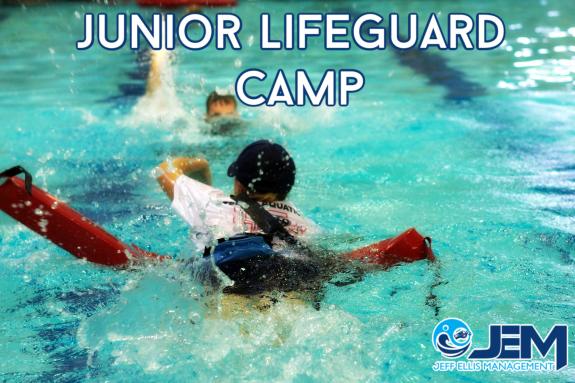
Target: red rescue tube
(68,229)
(407,247)
(186,3)
(64,226)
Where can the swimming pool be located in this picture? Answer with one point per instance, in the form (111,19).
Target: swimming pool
(475,150)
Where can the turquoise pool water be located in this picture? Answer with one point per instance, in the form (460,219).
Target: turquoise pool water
(490,178)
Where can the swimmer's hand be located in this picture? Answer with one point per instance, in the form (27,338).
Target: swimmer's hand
(170,170)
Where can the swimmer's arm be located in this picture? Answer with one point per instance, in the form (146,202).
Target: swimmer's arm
(158,60)
(196,168)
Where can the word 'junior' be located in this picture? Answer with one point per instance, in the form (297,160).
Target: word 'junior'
(334,31)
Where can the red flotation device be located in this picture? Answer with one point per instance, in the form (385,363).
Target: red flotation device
(186,3)
(407,247)
(56,221)
(68,229)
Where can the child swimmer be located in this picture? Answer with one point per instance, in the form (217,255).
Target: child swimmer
(264,171)
(221,109)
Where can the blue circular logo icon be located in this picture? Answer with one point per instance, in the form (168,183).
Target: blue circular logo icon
(452,337)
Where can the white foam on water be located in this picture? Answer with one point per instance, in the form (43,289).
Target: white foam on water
(285,120)
(162,109)
(161,325)
(88,118)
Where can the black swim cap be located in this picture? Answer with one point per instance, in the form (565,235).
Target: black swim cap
(264,167)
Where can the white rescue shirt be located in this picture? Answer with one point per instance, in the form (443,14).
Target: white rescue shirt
(213,215)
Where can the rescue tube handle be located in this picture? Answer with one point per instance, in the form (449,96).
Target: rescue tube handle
(14,171)
(428,249)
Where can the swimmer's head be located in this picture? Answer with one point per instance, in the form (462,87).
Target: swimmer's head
(264,170)
(218,105)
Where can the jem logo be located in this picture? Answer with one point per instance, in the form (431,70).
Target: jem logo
(509,342)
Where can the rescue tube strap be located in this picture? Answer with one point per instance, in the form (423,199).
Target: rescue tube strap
(264,219)
(14,171)
(428,249)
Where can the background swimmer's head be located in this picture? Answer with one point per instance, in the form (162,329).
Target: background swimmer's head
(218,105)
(264,170)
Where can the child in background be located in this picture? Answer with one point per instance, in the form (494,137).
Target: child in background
(217,105)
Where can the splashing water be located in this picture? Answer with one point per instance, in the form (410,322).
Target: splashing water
(161,105)
(490,179)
